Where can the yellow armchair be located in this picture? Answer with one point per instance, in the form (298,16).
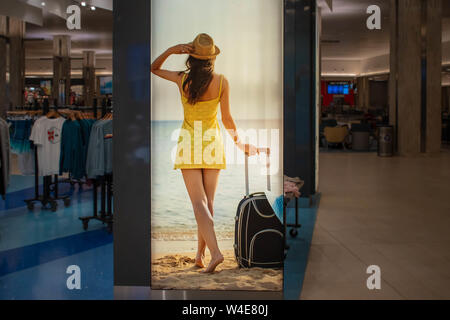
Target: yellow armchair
(336,135)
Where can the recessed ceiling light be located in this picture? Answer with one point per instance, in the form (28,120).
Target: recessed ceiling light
(83,3)
(92,8)
(43,4)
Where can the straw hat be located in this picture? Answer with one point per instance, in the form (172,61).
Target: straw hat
(204,47)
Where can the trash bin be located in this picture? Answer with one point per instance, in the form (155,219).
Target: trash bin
(386,141)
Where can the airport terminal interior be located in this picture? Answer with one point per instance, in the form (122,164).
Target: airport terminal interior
(383,154)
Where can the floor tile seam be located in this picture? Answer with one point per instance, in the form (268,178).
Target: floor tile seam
(360,259)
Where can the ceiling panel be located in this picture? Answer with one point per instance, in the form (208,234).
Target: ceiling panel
(96,34)
(345,36)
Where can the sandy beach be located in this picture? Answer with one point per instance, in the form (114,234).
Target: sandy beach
(172,270)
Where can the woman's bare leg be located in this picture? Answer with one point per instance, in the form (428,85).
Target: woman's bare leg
(210,181)
(193,179)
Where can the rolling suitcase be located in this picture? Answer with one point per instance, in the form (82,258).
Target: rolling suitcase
(259,234)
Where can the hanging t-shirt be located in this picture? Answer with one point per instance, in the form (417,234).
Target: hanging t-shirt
(25,162)
(99,155)
(46,135)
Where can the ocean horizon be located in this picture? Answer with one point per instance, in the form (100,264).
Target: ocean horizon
(172,216)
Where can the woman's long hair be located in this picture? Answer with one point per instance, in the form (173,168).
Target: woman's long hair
(198,79)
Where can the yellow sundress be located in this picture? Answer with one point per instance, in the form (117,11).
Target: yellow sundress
(200,144)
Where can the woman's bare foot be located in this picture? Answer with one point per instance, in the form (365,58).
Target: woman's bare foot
(214,263)
(199,261)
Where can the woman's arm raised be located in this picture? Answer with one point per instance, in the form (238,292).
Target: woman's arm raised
(166,74)
(228,121)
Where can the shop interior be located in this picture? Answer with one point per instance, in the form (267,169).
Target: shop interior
(56,210)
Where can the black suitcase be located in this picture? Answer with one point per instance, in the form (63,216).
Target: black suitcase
(259,234)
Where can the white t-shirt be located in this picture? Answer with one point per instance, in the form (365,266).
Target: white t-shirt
(46,135)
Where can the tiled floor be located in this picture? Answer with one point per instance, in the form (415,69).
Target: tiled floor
(37,247)
(390,212)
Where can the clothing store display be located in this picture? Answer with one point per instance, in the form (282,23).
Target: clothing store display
(72,150)
(105,214)
(200,143)
(99,154)
(5,157)
(20,129)
(46,135)
(74,145)
(61,146)
(99,168)
(86,127)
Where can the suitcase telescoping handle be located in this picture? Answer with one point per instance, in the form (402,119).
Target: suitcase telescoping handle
(267,152)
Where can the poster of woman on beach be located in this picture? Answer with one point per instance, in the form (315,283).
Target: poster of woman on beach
(216,97)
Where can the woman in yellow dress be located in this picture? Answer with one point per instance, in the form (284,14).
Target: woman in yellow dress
(200,152)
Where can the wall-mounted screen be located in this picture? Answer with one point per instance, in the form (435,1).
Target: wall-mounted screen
(339,88)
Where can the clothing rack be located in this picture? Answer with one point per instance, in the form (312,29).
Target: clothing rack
(90,112)
(73,181)
(94,108)
(105,183)
(105,214)
(49,186)
(66,111)
(106,106)
(24,112)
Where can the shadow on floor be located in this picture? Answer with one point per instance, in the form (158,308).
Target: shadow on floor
(297,256)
